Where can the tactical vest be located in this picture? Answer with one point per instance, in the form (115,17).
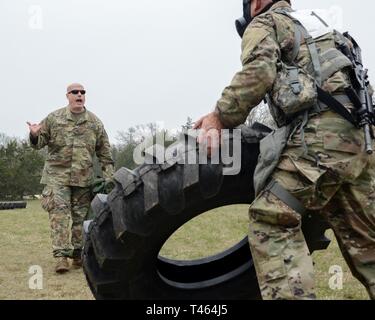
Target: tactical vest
(295,89)
(297,94)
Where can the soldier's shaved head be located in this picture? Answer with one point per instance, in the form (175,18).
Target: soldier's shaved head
(75,93)
(74,86)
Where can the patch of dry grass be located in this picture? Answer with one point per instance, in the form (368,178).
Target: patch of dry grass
(226,226)
(352,289)
(218,229)
(25,241)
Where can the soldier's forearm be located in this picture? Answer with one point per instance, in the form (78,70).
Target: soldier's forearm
(230,117)
(37,142)
(40,138)
(237,101)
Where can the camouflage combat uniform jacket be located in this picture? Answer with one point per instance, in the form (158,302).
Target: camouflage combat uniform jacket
(71,148)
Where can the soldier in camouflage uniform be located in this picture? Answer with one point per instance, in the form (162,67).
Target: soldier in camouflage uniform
(73,136)
(326,168)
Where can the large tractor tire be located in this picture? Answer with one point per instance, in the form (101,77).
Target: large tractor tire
(131,224)
(12,205)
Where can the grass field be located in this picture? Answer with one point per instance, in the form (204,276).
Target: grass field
(25,242)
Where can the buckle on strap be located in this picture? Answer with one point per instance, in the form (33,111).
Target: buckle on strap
(285,196)
(293,80)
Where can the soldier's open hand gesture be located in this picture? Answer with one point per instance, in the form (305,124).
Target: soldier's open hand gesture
(34,129)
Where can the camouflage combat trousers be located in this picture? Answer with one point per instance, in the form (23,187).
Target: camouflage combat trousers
(336,178)
(66,205)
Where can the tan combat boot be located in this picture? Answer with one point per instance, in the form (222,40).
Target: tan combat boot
(62,265)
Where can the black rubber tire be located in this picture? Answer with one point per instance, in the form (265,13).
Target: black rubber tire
(146,207)
(13,205)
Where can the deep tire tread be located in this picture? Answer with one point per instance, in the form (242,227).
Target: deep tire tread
(147,205)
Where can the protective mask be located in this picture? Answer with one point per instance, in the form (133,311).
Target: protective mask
(243,22)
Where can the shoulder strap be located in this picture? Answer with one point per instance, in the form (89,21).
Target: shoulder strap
(297,36)
(313,53)
(300,30)
(297,43)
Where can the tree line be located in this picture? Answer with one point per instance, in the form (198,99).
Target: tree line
(20,168)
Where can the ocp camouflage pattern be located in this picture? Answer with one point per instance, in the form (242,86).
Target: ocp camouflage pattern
(71,148)
(66,206)
(334,179)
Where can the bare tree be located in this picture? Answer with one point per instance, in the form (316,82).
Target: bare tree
(137,134)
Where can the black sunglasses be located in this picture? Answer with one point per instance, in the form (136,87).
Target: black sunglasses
(75,92)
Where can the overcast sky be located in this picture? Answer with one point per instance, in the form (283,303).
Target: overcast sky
(140,60)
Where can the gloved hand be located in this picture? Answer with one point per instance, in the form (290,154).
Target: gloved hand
(102,185)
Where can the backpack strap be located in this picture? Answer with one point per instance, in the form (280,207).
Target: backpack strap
(300,31)
(313,53)
(297,43)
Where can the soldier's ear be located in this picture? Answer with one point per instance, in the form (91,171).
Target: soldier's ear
(259,5)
